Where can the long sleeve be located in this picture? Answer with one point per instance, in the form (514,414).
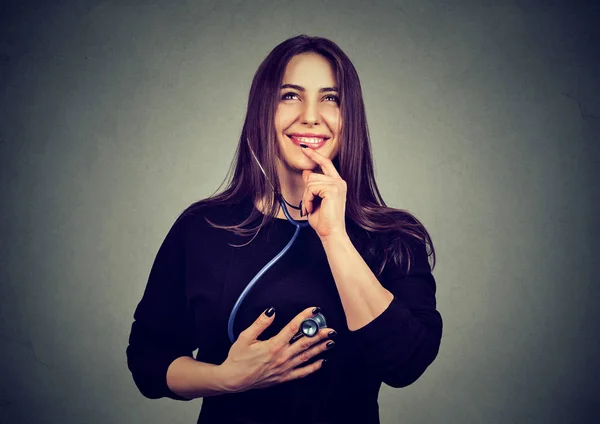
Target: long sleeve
(162,330)
(403,341)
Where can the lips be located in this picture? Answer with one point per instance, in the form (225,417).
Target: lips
(312,141)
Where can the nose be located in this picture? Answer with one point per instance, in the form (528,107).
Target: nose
(310,114)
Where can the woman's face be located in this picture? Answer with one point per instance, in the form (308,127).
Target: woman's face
(308,111)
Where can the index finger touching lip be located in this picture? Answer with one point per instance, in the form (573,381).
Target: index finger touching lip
(325,163)
(293,327)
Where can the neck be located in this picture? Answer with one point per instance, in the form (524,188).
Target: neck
(292,186)
(292,189)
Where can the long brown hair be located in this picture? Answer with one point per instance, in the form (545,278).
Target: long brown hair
(364,204)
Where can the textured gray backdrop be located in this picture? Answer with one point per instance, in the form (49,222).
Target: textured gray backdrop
(485,121)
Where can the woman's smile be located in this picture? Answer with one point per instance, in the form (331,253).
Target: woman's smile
(313,142)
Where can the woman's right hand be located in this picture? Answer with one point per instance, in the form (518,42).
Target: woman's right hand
(254,364)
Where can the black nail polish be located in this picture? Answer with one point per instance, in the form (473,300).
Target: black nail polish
(330,344)
(304,146)
(316,310)
(297,336)
(269,312)
(332,334)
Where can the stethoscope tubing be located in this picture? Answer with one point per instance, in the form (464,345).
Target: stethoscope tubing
(260,273)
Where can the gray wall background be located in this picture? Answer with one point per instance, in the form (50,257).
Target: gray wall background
(485,121)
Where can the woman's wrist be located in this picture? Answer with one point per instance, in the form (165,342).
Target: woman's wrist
(193,379)
(223,379)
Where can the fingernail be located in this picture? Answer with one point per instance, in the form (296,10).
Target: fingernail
(330,344)
(316,310)
(304,146)
(296,337)
(323,362)
(269,312)
(332,334)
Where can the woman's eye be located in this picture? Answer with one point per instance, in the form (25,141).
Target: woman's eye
(294,96)
(288,96)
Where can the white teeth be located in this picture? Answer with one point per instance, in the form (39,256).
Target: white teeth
(312,140)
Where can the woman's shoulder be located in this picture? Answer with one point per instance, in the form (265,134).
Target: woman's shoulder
(388,224)
(395,237)
(200,213)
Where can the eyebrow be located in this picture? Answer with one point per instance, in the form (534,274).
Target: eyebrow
(299,88)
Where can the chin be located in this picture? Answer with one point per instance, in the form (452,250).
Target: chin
(299,164)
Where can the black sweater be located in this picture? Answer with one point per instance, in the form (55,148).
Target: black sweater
(196,279)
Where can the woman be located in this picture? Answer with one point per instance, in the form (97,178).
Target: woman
(358,264)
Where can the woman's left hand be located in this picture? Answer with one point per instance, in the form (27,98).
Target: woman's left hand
(324,197)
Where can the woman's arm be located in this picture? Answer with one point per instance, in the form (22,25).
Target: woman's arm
(362,295)
(162,366)
(191,379)
(161,342)
(396,329)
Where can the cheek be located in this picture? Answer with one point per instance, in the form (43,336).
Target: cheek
(334,120)
(284,117)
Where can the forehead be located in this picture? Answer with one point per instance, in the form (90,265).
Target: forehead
(309,70)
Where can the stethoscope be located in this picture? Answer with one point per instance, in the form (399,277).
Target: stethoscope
(310,326)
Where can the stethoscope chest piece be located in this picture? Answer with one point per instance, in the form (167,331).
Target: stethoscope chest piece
(311,326)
